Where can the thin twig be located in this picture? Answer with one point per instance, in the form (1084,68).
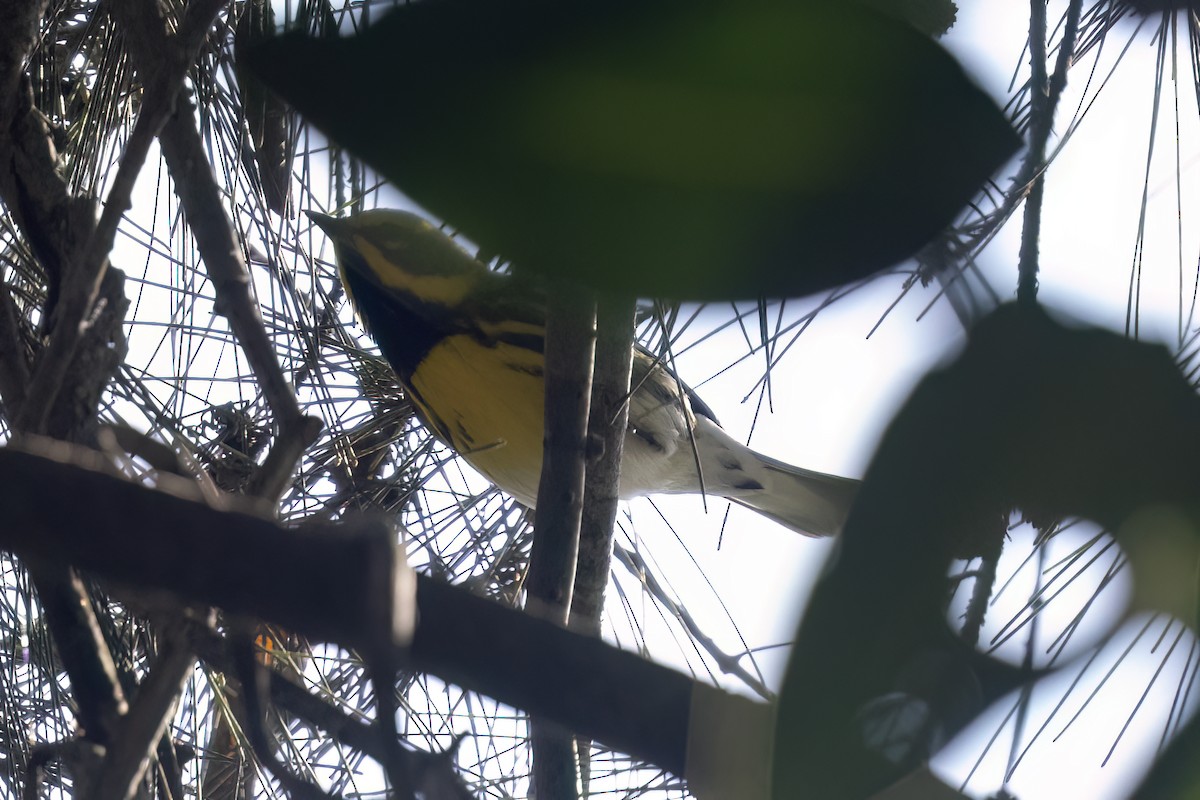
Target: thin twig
(979,234)
(255,681)
(985,579)
(727,663)
(287,694)
(1044,94)
(1041,115)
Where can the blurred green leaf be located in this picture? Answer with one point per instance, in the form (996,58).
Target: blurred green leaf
(266,115)
(1163,546)
(1177,773)
(933,17)
(701,150)
(1056,421)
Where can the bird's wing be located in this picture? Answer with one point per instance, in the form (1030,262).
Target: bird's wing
(660,409)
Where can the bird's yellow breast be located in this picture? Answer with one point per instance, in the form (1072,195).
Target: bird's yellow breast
(489,401)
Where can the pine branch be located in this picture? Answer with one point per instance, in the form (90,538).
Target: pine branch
(56,223)
(1125,428)
(85,273)
(570,345)
(153,51)
(139,732)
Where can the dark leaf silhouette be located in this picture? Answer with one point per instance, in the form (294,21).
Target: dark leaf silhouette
(695,150)
(1033,414)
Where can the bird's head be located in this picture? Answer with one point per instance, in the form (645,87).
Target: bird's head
(402,253)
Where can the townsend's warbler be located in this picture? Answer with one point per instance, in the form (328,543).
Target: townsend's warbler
(467,342)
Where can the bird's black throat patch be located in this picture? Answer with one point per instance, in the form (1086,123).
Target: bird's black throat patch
(405,327)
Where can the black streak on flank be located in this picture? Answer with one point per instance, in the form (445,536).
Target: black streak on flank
(529,341)
(648,438)
(729,462)
(749,485)
(465,437)
(535,371)
(433,423)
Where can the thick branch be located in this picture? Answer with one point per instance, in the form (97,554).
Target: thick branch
(80,645)
(185,547)
(55,223)
(51,220)
(19,20)
(570,344)
(169,542)
(219,248)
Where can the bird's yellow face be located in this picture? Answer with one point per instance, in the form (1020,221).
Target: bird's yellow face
(400,252)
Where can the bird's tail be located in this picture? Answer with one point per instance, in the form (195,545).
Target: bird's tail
(811,503)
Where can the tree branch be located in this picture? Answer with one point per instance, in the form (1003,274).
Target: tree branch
(351,731)
(80,645)
(14,363)
(1044,93)
(569,347)
(85,272)
(167,541)
(153,51)
(608,420)
(140,731)
(55,223)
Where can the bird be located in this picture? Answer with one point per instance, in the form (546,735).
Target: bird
(466,344)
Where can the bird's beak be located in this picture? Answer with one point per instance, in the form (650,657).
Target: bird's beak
(330,225)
